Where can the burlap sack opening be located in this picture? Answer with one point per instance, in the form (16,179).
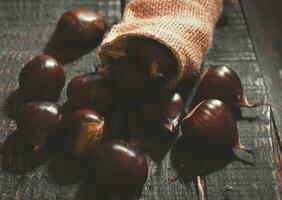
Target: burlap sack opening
(185,27)
(118,49)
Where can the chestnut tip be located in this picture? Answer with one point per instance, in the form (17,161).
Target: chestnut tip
(241,147)
(37,148)
(244,102)
(222,82)
(39,122)
(170,126)
(210,125)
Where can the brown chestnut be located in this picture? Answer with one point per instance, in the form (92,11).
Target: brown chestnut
(121,168)
(157,59)
(211,125)
(223,83)
(92,90)
(42,78)
(39,121)
(80,26)
(164,111)
(84,129)
(147,67)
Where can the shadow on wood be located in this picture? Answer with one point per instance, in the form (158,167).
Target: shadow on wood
(13,102)
(237,112)
(153,140)
(89,190)
(68,108)
(63,167)
(117,124)
(190,163)
(18,155)
(223,21)
(65,52)
(239,117)
(66,169)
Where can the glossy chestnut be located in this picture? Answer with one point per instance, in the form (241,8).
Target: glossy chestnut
(157,59)
(92,90)
(164,110)
(39,121)
(80,26)
(223,83)
(84,131)
(147,68)
(42,78)
(211,125)
(120,167)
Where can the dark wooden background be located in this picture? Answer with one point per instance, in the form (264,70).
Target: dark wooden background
(247,38)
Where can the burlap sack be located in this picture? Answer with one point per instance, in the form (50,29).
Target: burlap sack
(183,26)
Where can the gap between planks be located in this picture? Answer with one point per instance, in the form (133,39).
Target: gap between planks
(276,140)
(277,153)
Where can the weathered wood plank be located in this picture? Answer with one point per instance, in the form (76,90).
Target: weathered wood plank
(237,180)
(264,23)
(277,154)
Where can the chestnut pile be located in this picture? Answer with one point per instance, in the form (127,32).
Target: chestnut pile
(117,164)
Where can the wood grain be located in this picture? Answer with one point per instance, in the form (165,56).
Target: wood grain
(264,24)
(26,28)
(238,180)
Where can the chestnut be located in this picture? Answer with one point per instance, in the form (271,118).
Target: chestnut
(121,168)
(156,58)
(92,90)
(223,83)
(39,121)
(211,125)
(84,129)
(163,110)
(80,26)
(42,78)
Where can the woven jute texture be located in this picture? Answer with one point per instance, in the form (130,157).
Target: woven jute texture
(183,26)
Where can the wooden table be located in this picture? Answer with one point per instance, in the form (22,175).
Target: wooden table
(247,38)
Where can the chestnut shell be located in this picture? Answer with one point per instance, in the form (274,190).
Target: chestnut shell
(42,78)
(210,125)
(39,121)
(220,82)
(163,110)
(92,90)
(121,167)
(80,26)
(84,129)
